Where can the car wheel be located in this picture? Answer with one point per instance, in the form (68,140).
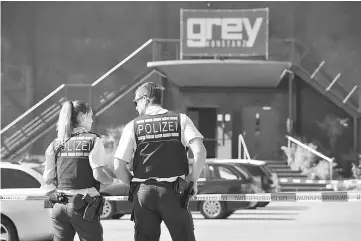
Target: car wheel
(108,210)
(213,209)
(8,230)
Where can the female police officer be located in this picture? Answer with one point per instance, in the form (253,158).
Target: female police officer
(75,164)
(154,145)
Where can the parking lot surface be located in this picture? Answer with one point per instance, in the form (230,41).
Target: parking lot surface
(278,221)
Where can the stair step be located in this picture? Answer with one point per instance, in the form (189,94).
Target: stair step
(283,170)
(278,166)
(301,180)
(286,171)
(303,185)
(292,175)
(269,162)
(305,189)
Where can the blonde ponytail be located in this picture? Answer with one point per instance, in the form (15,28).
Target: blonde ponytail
(65,125)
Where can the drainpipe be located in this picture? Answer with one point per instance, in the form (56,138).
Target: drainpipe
(290,119)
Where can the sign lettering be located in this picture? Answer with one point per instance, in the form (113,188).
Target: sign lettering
(232,29)
(224,32)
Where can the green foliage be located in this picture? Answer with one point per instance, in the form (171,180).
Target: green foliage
(301,159)
(112,137)
(111,141)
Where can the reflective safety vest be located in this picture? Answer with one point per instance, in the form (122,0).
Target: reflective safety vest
(160,152)
(72,162)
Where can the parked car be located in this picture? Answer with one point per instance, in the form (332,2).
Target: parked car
(218,177)
(263,175)
(23,219)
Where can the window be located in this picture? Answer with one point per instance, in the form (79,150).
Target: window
(243,172)
(12,178)
(254,170)
(218,172)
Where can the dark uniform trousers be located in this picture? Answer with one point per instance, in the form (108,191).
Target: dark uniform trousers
(67,221)
(155,202)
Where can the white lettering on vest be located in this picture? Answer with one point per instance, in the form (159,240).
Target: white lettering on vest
(154,130)
(148,130)
(140,128)
(164,126)
(171,126)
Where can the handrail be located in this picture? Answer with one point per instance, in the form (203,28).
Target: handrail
(330,160)
(165,40)
(310,149)
(122,62)
(133,86)
(242,143)
(62,86)
(31,109)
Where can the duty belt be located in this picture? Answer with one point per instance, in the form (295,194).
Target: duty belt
(158,179)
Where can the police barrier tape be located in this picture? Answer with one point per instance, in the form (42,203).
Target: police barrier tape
(261,197)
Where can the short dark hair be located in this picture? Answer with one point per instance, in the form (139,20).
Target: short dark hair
(152,90)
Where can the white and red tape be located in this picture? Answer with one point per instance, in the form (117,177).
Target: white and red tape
(261,197)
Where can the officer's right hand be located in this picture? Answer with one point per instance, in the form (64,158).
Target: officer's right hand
(195,190)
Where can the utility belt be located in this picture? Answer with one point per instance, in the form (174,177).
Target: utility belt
(180,186)
(93,205)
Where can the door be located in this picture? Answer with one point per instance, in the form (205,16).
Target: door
(260,131)
(205,120)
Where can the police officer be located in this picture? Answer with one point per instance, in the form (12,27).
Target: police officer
(153,147)
(75,165)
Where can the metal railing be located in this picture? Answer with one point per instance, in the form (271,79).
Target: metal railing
(331,82)
(242,149)
(291,50)
(21,133)
(319,154)
(279,50)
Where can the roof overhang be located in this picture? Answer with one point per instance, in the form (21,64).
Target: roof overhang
(222,73)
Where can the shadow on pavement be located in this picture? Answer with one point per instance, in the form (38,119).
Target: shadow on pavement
(262,213)
(286,208)
(231,218)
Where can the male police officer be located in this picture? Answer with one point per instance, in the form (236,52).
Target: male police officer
(154,146)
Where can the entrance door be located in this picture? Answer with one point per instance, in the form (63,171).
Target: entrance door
(205,119)
(260,131)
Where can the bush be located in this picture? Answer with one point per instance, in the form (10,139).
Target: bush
(300,159)
(111,141)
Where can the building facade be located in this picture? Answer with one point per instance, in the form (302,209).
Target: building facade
(45,45)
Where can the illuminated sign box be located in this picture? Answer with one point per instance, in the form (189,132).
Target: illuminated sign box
(224,32)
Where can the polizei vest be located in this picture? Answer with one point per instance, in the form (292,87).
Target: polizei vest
(160,152)
(73,168)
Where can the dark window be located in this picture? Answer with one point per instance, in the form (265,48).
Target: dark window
(12,178)
(218,172)
(254,170)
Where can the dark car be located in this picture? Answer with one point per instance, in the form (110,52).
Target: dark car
(218,177)
(262,174)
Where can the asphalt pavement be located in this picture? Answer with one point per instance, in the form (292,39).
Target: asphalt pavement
(334,221)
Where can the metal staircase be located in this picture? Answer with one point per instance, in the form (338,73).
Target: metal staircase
(313,69)
(123,78)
